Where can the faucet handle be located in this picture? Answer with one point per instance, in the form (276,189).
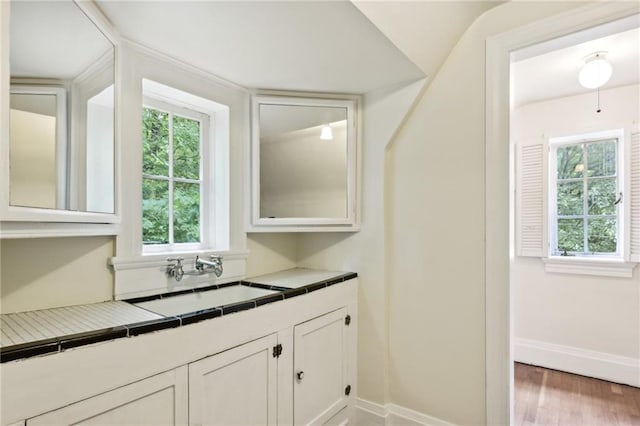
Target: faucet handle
(178,260)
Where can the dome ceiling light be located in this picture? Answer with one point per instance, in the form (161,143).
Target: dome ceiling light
(595,73)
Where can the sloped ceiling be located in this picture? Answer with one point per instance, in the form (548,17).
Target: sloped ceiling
(325,46)
(425,31)
(53,40)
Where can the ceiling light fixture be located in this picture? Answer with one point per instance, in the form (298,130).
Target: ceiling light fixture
(596,71)
(326,134)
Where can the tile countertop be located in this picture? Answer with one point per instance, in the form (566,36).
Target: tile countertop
(297,277)
(27,334)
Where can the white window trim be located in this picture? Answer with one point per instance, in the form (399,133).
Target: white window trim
(138,275)
(215,200)
(603,267)
(617,265)
(206,181)
(554,144)
(215,175)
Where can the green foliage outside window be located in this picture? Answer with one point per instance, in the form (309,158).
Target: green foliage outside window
(586,197)
(159,182)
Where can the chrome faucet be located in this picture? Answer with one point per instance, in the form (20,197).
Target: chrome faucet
(174,269)
(215,264)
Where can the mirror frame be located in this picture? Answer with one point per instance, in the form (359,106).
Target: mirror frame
(21,222)
(308,224)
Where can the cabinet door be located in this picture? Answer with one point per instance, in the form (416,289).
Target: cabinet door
(157,400)
(235,387)
(320,368)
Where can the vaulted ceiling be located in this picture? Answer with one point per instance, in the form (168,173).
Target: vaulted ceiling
(326,46)
(316,46)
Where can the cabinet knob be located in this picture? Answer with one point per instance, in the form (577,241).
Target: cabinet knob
(300,375)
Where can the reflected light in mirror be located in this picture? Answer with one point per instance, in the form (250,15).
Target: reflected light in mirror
(326,134)
(301,175)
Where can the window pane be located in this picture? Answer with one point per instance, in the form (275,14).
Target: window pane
(602,235)
(570,235)
(601,157)
(155,142)
(186,148)
(569,162)
(570,198)
(602,196)
(186,213)
(155,211)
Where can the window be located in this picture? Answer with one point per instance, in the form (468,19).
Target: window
(577,202)
(185,169)
(181,196)
(585,198)
(172,179)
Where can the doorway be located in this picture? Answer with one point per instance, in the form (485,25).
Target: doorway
(569,137)
(499,301)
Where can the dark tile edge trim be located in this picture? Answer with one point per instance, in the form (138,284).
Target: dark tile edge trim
(270,298)
(94,336)
(30,349)
(316,286)
(334,281)
(180,292)
(237,307)
(152,325)
(294,292)
(204,314)
(143,299)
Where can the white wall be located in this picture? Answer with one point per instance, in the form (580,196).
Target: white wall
(581,312)
(436,232)
(365,252)
(271,252)
(51,272)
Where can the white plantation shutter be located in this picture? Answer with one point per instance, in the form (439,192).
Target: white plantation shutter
(635,197)
(531,216)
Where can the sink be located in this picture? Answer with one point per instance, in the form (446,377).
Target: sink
(191,302)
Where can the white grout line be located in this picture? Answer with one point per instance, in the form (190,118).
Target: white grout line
(24,327)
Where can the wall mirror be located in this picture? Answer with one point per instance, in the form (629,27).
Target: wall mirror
(61,115)
(304,161)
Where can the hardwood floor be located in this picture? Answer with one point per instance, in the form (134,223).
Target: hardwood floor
(549,397)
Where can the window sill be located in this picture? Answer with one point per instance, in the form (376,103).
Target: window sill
(152,260)
(146,275)
(598,267)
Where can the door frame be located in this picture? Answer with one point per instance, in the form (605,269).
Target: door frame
(498,357)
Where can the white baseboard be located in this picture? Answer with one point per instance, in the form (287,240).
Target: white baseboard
(372,414)
(600,365)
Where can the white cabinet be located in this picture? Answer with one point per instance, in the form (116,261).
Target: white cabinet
(321,368)
(240,369)
(251,384)
(235,387)
(157,400)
